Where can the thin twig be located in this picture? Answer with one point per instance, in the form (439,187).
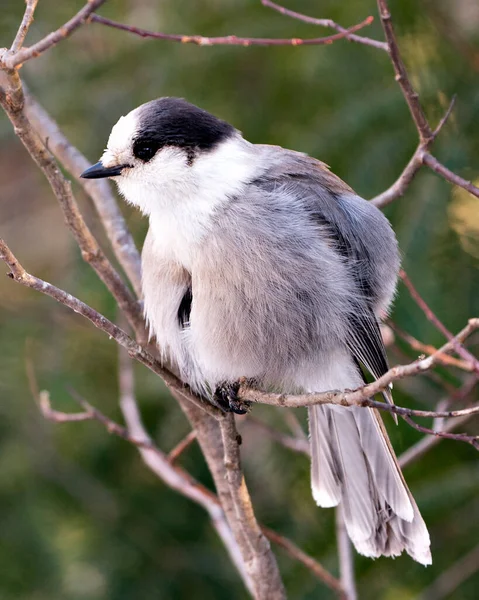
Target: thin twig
(13,102)
(288,441)
(410,95)
(10,61)
(458,437)
(325,23)
(230,40)
(18,273)
(307,560)
(182,445)
(447,174)
(24,26)
(99,190)
(451,578)
(445,359)
(346,558)
(438,324)
(399,187)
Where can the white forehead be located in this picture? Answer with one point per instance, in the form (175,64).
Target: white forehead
(122,134)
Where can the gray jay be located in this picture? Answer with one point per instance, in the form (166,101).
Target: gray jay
(261,263)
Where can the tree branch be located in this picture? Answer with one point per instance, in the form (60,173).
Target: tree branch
(18,273)
(325,23)
(263,567)
(447,174)
(182,445)
(24,26)
(229,40)
(10,61)
(410,95)
(461,351)
(308,561)
(99,190)
(346,559)
(450,579)
(417,161)
(360,397)
(444,359)
(12,100)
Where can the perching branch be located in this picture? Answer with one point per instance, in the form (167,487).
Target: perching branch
(359,397)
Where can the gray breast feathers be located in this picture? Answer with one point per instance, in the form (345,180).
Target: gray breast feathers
(296,266)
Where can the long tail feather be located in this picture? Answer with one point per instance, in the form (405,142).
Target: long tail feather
(353,463)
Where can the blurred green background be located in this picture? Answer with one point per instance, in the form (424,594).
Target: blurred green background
(81,516)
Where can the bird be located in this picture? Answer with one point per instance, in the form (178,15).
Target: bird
(260,264)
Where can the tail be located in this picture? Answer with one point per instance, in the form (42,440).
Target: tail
(354,464)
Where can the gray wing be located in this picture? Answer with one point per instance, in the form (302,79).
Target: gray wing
(360,234)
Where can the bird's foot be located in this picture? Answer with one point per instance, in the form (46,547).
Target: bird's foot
(226,396)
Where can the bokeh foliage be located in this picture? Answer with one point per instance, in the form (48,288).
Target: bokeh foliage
(81,517)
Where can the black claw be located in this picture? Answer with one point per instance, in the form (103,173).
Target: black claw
(226,396)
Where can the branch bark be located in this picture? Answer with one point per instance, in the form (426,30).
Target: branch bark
(16,59)
(13,102)
(230,40)
(261,564)
(99,190)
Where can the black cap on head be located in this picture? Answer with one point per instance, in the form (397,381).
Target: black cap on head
(176,122)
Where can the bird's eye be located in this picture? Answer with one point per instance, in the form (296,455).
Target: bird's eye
(145,151)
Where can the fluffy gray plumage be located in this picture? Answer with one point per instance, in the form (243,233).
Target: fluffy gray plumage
(260,263)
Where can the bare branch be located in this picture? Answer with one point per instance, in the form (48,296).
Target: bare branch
(60,417)
(162,466)
(360,397)
(400,186)
(308,561)
(450,579)
(410,95)
(447,174)
(288,441)
(465,354)
(325,23)
(458,437)
(263,566)
(178,450)
(24,26)
(444,359)
(230,40)
(12,100)
(99,190)
(346,559)
(10,61)
(18,273)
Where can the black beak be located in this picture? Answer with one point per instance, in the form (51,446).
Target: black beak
(98,171)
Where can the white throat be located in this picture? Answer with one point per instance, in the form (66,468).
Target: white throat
(182,201)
